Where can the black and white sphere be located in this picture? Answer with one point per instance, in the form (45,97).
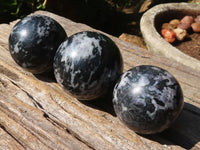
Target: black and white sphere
(33,42)
(147,99)
(87,65)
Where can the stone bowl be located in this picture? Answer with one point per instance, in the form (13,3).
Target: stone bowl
(150,25)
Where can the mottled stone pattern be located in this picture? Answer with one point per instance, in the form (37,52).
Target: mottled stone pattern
(33,42)
(87,65)
(147,99)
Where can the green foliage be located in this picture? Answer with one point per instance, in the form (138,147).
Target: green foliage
(194,2)
(122,3)
(13,9)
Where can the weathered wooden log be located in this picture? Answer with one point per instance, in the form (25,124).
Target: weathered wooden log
(6,140)
(36,113)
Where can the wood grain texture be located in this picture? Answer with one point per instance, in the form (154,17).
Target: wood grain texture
(35,112)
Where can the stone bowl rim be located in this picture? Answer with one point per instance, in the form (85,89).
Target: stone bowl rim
(155,42)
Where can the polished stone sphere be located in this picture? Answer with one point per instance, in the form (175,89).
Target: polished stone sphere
(33,42)
(147,99)
(87,65)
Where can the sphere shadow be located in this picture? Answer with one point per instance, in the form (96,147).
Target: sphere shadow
(46,76)
(104,103)
(184,132)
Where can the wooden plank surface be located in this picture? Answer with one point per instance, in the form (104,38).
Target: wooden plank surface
(35,113)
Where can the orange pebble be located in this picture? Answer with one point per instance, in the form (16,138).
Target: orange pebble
(196,27)
(169,35)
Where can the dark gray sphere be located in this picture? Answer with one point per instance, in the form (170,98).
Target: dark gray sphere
(147,99)
(33,42)
(87,65)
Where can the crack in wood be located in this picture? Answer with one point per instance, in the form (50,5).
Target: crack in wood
(3,83)
(3,128)
(35,102)
(45,114)
(8,73)
(33,126)
(55,121)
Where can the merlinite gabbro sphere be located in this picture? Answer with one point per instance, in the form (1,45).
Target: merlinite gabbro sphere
(33,42)
(147,99)
(87,65)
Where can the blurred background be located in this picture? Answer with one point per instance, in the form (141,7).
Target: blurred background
(114,17)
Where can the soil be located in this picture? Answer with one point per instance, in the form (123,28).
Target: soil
(190,46)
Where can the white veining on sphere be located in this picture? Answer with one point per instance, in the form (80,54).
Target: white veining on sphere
(124,80)
(13,30)
(111,74)
(165,92)
(90,78)
(87,75)
(93,84)
(165,96)
(124,108)
(26,19)
(48,21)
(141,87)
(137,88)
(12,52)
(83,46)
(58,76)
(73,75)
(39,41)
(62,52)
(16,48)
(43,30)
(158,88)
(25,65)
(115,98)
(123,83)
(155,68)
(157,107)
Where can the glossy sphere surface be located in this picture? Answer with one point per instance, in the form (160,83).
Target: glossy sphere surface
(147,99)
(33,42)
(87,65)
